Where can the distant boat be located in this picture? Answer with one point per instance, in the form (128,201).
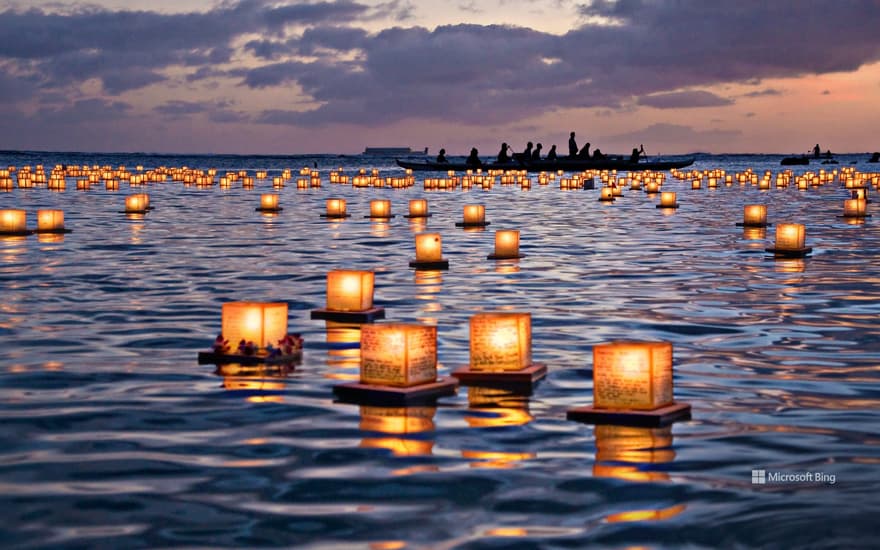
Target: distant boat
(795,161)
(566,164)
(393,151)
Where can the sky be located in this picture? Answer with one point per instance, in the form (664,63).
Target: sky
(336,76)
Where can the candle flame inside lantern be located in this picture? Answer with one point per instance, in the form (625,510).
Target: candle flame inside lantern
(429,247)
(350,290)
(790,236)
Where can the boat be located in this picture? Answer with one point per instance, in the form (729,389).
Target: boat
(566,164)
(795,161)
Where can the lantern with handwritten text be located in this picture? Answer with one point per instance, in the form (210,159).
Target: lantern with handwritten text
(398,354)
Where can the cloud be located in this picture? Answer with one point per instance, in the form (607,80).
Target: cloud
(684,100)
(670,135)
(826,92)
(763,93)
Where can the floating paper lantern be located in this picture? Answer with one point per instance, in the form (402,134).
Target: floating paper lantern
(632,375)
(474,216)
(418,208)
(855,208)
(506,245)
(754,215)
(136,204)
(13,221)
(790,236)
(500,341)
(263,323)
(350,290)
(606,194)
(667,200)
(652,187)
(398,354)
(380,208)
(336,208)
(269,203)
(50,220)
(428,247)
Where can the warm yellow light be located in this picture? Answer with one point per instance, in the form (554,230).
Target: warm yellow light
(380,208)
(507,243)
(652,187)
(606,194)
(136,203)
(501,341)
(667,198)
(350,290)
(754,214)
(48,220)
(398,354)
(474,213)
(13,221)
(336,207)
(632,375)
(855,207)
(429,247)
(269,201)
(790,236)
(263,323)
(418,207)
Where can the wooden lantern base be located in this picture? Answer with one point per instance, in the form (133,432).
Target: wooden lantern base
(380,218)
(24,233)
(471,224)
(790,253)
(442,264)
(417,216)
(269,210)
(654,418)
(355,392)
(140,212)
(676,205)
(522,377)
(600,199)
(60,231)
(366,316)
(743,224)
(335,216)
(210,357)
(499,257)
(863,216)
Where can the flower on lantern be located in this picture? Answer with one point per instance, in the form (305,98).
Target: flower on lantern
(247,347)
(221,345)
(290,343)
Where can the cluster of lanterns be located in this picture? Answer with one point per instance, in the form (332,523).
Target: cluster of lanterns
(13,222)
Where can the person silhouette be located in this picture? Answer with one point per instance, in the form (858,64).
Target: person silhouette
(536,154)
(503,157)
(572,146)
(441,157)
(551,154)
(474,158)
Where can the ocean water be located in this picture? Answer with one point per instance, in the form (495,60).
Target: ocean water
(113,436)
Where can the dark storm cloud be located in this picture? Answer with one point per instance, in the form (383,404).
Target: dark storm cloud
(684,100)
(216,111)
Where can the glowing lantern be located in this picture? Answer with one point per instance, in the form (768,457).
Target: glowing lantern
(263,323)
(418,208)
(501,341)
(398,354)
(350,290)
(790,236)
(269,202)
(428,250)
(336,208)
(136,204)
(754,215)
(652,187)
(50,220)
(606,194)
(506,245)
(380,208)
(632,375)
(13,221)
(855,208)
(667,200)
(474,216)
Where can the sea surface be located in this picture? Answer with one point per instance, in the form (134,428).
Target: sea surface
(113,436)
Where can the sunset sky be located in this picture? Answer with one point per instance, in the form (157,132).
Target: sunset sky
(335,76)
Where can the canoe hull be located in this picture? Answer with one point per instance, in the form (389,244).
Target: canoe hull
(567,165)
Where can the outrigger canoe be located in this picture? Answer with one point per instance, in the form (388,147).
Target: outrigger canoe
(566,164)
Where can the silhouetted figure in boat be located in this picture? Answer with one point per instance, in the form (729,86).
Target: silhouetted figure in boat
(441,157)
(503,157)
(551,154)
(525,155)
(584,153)
(875,157)
(572,146)
(828,154)
(634,157)
(536,154)
(474,158)
(817,151)
(598,155)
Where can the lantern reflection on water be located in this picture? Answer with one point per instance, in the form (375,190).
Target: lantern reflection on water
(393,424)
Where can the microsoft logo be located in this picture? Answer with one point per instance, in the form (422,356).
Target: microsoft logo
(759,477)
